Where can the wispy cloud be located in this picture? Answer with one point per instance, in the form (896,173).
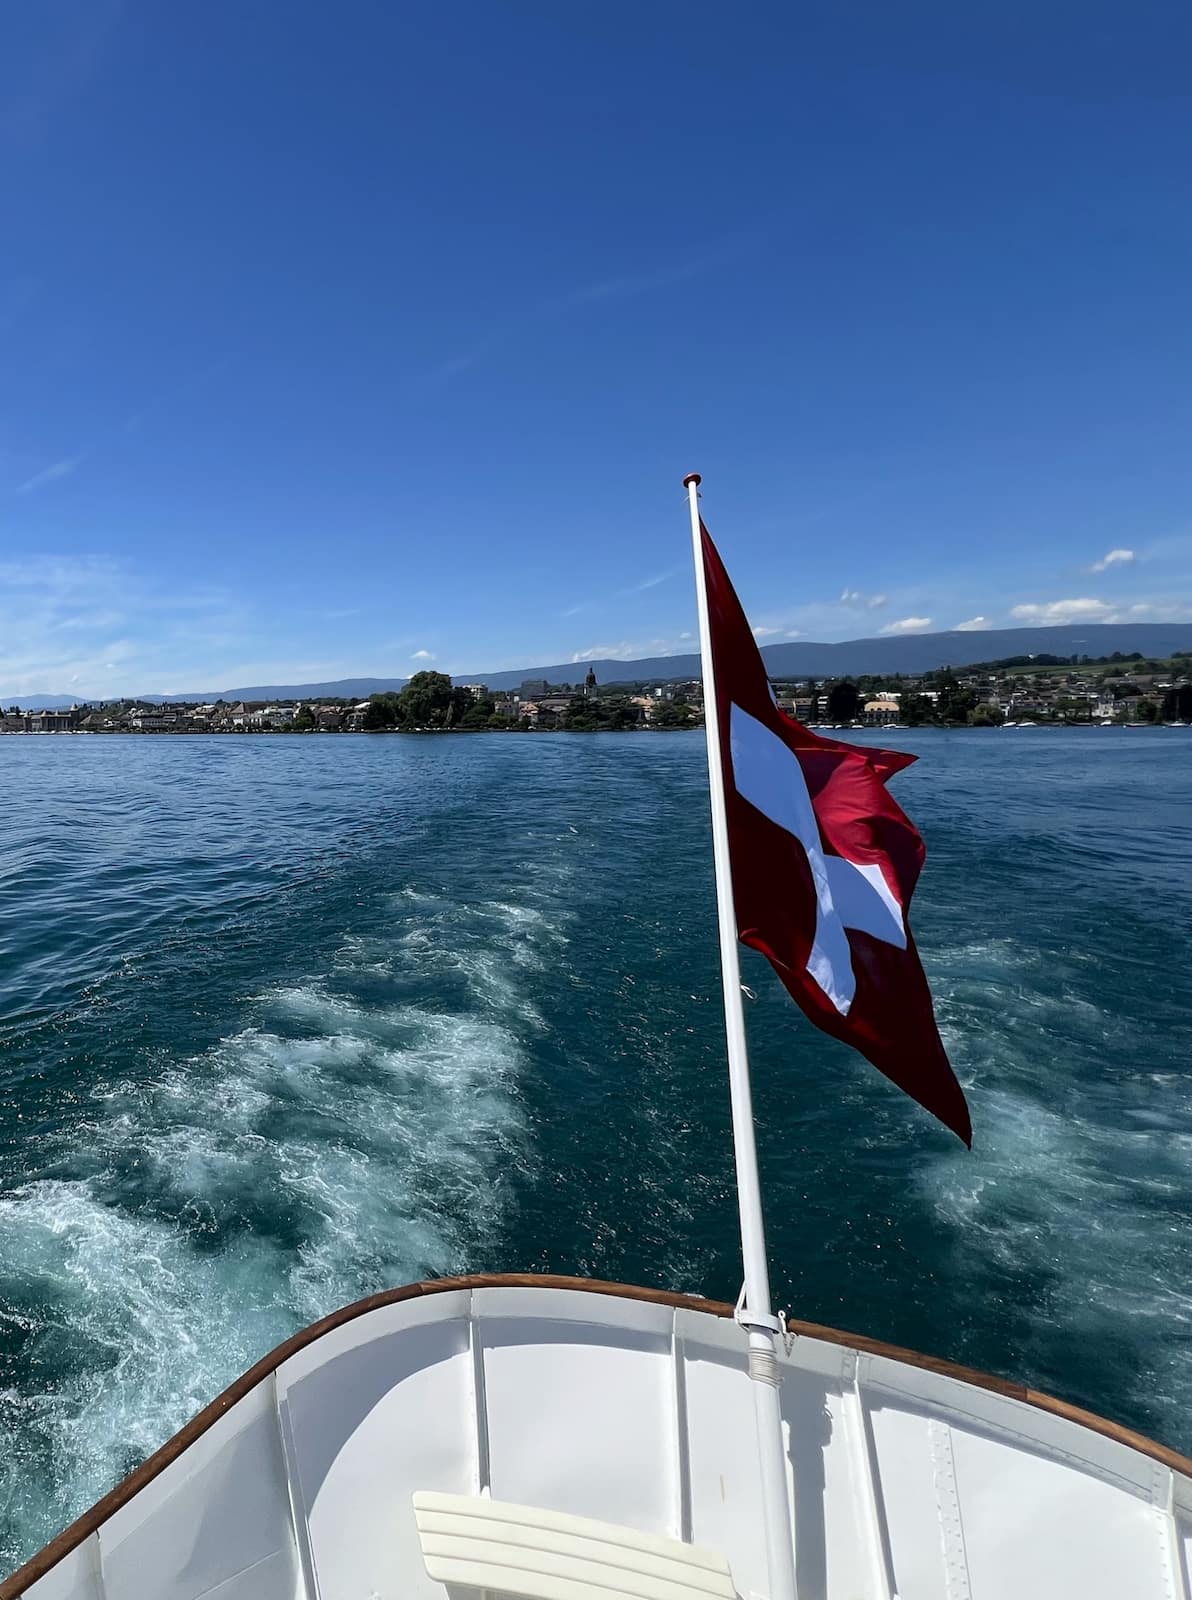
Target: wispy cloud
(973,625)
(1156,611)
(100,628)
(636,649)
(611,652)
(652,583)
(621,286)
(50,474)
(908,625)
(602,601)
(116,434)
(857,597)
(765,633)
(626,286)
(442,374)
(57,69)
(1048,613)
(91,626)
(1114,558)
(422,655)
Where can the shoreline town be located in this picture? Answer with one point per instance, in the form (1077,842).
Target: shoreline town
(1015,692)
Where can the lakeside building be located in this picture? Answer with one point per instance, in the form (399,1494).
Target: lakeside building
(1013,692)
(882,710)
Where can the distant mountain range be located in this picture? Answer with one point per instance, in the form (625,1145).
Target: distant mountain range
(342,689)
(919,652)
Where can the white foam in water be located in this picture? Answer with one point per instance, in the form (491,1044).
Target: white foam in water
(1078,1179)
(330,1148)
(132,1301)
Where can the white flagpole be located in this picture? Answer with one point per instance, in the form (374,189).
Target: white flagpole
(756,1315)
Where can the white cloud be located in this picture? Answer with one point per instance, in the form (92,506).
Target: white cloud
(79,624)
(50,474)
(908,625)
(635,649)
(973,625)
(609,652)
(1056,611)
(422,655)
(857,597)
(652,583)
(1114,558)
(1155,611)
(765,633)
(876,601)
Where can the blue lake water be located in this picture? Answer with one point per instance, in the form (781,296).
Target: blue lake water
(284,1021)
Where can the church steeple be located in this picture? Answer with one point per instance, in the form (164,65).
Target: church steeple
(590,684)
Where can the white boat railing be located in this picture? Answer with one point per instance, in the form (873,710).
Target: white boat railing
(908,1475)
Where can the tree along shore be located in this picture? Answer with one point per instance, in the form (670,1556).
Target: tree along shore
(1036,691)
(431,701)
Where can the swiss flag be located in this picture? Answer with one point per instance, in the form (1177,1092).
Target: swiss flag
(824,865)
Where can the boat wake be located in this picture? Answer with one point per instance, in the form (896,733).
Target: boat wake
(361,1128)
(1071,1216)
(374,1036)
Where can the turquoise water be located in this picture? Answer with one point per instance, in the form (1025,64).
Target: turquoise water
(284,1021)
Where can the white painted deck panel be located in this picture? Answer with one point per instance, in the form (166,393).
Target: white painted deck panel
(904,1482)
(161,1543)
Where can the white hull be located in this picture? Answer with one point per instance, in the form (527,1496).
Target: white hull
(909,1478)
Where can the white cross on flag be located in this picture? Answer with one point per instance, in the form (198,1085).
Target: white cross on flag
(824,864)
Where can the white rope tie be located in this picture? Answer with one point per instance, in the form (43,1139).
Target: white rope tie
(763,1367)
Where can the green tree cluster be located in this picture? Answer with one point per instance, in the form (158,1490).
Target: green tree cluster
(956,701)
(671,714)
(914,708)
(986,716)
(479,713)
(844,701)
(429,700)
(603,713)
(382,712)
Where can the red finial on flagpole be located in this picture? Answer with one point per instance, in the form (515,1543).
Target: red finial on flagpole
(692,477)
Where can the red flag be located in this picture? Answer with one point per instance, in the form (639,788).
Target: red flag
(824,865)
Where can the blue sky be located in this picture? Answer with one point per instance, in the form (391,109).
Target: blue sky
(338,340)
